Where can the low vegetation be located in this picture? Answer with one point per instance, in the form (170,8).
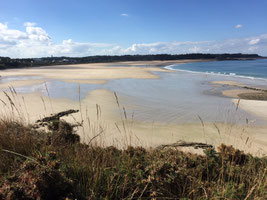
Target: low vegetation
(51,163)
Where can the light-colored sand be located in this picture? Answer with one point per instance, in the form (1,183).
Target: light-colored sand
(31,107)
(88,81)
(248,88)
(86,71)
(159,63)
(82,73)
(95,73)
(101,114)
(21,83)
(109,119)
(256,107)
(229,83)
(259,108)
(235,93)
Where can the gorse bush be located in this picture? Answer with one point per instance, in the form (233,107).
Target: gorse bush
(38,179)
(53,164)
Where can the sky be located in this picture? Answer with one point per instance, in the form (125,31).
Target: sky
(38,28)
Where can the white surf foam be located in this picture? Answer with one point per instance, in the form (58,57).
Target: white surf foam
(171,67)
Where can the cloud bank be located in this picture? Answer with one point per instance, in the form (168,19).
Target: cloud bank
(36,42)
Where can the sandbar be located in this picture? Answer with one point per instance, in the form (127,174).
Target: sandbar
(229,83)
(248,98)
(244,91)
(237,93)
(95,73)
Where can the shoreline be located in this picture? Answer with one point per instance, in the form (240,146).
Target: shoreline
(101,73)
(150,134)
(242,91)
(251,99)
(169,67)
(119,130)
(97,73)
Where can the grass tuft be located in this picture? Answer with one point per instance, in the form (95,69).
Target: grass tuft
(52,164)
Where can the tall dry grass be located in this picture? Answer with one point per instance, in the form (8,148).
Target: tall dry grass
(93,172)
(53,163)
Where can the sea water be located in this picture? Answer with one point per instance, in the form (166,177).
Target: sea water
(250,69)
(181,96)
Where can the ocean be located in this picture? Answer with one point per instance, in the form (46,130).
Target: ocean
(252,69)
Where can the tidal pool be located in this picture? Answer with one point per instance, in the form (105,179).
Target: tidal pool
(176,97)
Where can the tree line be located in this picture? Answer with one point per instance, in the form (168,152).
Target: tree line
(6,62)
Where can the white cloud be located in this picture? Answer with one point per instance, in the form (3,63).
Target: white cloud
(239,45)
(254,41)
(239,26)
(124,15)
(36,42)
(3,26)
(252,49)
(29,24)
(194,49)
(10,35)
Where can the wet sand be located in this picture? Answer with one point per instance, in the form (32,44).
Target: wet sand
(235,93)
(244,91)
(85,81)
(100,112)
(21,83)
(118,129)
(95,72)
(256,107)
(257,103)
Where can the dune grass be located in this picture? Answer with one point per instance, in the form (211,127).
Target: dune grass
(52,163)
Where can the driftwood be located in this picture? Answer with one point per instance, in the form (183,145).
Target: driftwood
(57,116)
(181,143)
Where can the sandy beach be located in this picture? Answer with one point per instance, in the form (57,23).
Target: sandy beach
(21,83)
(242,90)
(116,129)
(257,107)
(95,73)
(253,106)
(100,111)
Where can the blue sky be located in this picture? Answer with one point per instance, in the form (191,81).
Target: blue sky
(90,27)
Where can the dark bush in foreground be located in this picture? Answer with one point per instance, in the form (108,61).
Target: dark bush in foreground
(63,168)
(38,179)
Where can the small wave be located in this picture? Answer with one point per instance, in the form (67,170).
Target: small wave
(171,67)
